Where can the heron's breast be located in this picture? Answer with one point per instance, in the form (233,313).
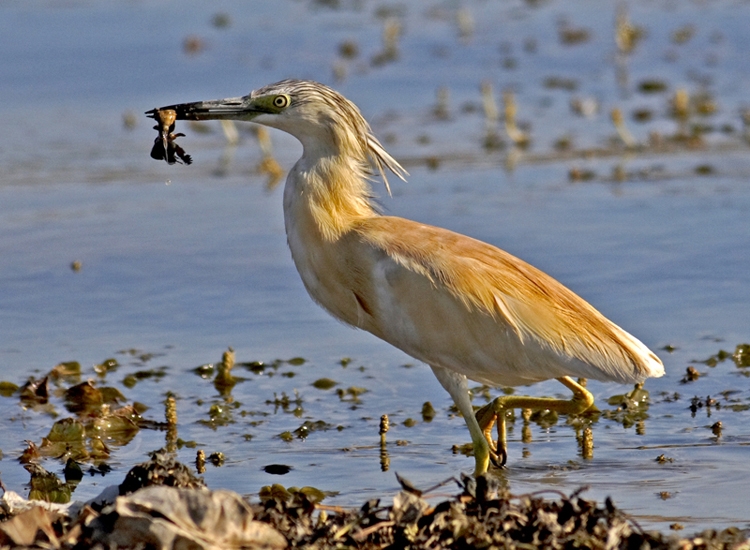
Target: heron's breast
(324,268)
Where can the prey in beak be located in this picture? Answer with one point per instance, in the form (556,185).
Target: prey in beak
(165,147)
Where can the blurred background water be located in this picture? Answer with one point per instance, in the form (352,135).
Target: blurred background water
(178,263)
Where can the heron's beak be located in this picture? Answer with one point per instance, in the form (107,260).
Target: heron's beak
(235,108)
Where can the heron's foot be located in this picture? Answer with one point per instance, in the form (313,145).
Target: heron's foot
(495,412)
(487,416)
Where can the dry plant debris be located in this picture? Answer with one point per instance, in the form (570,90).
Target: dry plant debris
(174,510)
(480,517)
(161,470)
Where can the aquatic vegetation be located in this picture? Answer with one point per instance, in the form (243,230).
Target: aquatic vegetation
(324,383)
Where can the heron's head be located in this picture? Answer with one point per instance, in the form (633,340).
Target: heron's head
(324,121)
(315,114)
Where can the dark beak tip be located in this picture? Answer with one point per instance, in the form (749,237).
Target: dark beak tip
(182,111)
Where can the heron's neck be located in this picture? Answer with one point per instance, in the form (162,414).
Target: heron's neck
(332,189)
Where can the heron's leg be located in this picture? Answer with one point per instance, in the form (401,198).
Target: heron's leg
(495,411)
(456,385)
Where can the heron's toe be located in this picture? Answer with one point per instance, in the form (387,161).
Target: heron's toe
(499,458)
(486,417)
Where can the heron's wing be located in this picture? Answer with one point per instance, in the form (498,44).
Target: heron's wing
(520,298)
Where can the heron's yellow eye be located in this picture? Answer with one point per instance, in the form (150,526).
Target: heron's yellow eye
(280,101)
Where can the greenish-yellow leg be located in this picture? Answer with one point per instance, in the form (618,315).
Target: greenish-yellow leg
(495,412)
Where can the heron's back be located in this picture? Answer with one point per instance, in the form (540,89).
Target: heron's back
(456,302)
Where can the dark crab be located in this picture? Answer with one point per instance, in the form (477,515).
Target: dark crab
(165,147)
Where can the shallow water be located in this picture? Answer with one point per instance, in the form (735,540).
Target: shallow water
(182,262)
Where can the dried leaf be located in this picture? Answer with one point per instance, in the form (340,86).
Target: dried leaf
(168,517)
(29,527)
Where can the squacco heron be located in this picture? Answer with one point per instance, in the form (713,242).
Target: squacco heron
(464,307)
